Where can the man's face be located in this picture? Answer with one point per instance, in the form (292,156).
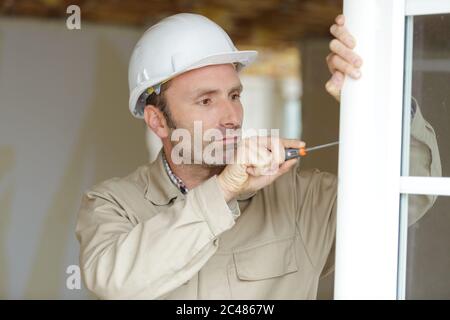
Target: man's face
(209,96)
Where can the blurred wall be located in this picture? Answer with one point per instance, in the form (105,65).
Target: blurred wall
(64,125)
(320,111)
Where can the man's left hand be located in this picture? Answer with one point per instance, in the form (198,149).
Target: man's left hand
(342,60)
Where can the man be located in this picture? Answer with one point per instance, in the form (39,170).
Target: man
(260,228)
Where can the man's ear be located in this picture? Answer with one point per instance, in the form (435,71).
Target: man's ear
(156,121)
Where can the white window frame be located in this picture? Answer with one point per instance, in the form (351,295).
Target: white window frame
(371,237)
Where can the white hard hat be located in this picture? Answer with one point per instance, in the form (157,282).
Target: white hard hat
(175,45)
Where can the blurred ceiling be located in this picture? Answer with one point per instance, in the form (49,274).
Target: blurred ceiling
(255,22)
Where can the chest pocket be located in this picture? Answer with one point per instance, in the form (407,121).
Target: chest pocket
(264,261)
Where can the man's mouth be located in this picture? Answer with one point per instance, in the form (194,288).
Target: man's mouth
(228,140)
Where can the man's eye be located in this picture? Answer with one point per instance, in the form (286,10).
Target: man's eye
(236,96)
(205,102)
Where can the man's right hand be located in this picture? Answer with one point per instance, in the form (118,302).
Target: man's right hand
(258,162)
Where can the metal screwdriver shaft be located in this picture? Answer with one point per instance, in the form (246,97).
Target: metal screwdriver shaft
(322,146)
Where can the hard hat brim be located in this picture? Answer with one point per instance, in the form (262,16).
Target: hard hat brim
(244,58)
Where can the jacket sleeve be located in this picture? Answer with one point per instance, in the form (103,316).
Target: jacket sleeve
(425,161)
(121,259)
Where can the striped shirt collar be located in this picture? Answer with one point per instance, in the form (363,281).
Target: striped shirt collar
(175,180)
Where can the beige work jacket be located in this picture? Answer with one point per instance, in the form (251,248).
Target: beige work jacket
(141,238)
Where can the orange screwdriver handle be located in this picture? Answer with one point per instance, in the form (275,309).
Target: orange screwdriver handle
(302,151)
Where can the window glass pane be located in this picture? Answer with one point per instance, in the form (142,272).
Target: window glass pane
(428,253)
(429,94)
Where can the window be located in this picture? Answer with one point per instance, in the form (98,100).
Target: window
(405,47)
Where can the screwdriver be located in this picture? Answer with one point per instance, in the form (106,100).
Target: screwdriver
(291,153)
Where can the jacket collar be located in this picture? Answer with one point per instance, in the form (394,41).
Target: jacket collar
(161,190)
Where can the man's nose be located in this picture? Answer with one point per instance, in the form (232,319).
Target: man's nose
(232,115)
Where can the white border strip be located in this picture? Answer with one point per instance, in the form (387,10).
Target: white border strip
(425,185)
(423,7)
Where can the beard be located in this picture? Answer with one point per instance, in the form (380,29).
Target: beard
(216,153)
(221,155)
(211,147)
